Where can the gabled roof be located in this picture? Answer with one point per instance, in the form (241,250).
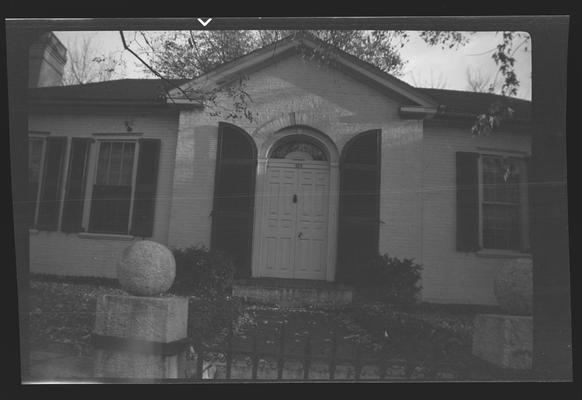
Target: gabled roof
(255,60)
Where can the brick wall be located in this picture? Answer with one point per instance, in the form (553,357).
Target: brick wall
(193,187)
(448,275)
(418,210)
(74,254)
(400,198)
(297,91)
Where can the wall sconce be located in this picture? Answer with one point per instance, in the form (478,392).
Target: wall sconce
(128,124)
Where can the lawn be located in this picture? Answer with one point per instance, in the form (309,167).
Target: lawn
(425,337)
(63,313)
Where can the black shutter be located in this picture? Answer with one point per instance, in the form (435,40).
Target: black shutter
(76,183)
(145,188)
(49,207)
(467,201)
(359,212)
(234,194)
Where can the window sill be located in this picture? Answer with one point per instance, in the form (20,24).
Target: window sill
(502,254)
(104,236)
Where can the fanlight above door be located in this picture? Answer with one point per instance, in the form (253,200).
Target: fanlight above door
(299,150)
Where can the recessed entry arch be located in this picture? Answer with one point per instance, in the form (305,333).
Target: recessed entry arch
(295,231)
(299,132)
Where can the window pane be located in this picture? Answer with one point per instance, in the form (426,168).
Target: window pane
(112,191)
(127,165)
(103,163)
(501,227)
(115,163)
(296,147)
(500,180)
(115,166)
(34,160)
(110,209)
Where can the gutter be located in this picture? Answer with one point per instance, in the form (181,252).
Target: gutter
(418,112)
(440,113)
(109,103)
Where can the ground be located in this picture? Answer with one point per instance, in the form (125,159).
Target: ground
(366,340)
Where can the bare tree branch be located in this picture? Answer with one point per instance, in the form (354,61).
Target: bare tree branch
(156,73)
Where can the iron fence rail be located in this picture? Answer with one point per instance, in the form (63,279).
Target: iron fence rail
(308,357)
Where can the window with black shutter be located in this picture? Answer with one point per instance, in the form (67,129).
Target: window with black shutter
(112,190)
(492,211)
(359,219)
(503,203)
(122,189)
(234,193)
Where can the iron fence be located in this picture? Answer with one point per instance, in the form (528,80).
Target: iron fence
(359,366)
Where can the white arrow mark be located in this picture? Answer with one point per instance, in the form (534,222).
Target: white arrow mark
(204,23)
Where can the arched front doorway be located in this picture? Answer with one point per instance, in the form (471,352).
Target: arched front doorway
(296,218)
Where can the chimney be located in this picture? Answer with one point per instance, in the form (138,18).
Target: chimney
(47,59)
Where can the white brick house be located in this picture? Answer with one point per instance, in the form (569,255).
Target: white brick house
(340,160)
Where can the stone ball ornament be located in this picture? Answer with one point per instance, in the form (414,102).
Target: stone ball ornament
(514,286)
(146,268)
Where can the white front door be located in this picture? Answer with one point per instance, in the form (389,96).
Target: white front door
(294,239)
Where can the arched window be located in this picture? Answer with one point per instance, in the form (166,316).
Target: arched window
(299,147)
(234,194)
(358,229)
(298,150)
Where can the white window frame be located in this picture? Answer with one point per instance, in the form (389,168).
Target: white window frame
(92,179)
(523,202)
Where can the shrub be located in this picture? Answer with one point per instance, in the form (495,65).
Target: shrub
(390,279)
(206,273)
(209,319)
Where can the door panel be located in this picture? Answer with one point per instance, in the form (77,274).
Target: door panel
(280,218)
(311,223)
(295,221)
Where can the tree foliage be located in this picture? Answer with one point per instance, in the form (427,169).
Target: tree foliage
(504,57)
(187,54)
(480,83)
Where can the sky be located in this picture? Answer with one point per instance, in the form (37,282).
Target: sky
(426,65)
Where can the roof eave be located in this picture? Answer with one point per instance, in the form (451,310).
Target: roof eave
(417,112)
(102,103)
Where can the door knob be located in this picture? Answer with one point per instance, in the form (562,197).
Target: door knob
(294,198)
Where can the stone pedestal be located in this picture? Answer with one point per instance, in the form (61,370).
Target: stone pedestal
(137,337)
(504,340)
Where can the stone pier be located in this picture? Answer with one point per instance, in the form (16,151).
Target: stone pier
(504,340)
(142,335)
